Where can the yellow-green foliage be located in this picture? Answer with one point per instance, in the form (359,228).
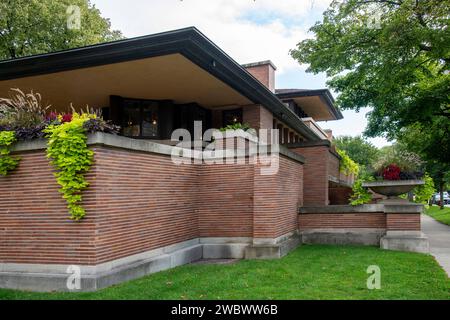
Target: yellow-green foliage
(424,192)
(69,154)
(347,165)
(7,163)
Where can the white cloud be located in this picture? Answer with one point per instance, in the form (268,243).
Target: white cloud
(247,30)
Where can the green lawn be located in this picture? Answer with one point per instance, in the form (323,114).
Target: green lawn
(309,272)
(438,214)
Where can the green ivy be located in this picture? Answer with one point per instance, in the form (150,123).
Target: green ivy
(347,165)
(67,148)
(7,163)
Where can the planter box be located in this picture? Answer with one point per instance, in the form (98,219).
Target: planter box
(393,188)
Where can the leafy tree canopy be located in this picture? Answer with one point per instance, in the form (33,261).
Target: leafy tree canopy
(393,56)
(358,149)
(30,27)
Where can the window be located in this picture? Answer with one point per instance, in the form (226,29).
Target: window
(140,118)
(232,117)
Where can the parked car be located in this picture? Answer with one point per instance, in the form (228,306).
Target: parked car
(437,198)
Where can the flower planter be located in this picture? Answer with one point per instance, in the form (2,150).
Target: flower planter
(393,188)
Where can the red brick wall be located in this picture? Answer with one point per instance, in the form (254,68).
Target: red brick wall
(137,202)
(225,200)
(257,117)
(144,201)
(390,222)
(34,222)
(408,221)
(337,220)
(315,175)
(276,200)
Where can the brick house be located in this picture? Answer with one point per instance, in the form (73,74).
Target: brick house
(145,213)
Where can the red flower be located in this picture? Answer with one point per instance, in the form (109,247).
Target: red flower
(67,117)
(391,172)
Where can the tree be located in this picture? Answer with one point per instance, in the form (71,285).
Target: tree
(391,55)
(358,149)
(432,144)
(38,26)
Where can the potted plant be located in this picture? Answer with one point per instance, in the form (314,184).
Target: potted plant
(393,181)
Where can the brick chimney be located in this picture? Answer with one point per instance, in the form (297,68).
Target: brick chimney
(264,71)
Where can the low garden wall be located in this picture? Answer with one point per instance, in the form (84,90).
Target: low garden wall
(393,226)
(142,210)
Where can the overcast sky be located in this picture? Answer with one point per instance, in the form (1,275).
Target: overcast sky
(248,30)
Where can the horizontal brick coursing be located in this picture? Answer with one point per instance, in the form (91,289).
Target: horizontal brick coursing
(315,174)
(408,221)
(341,221)
(137,202)
(225,200)
(34,222)
(144,202)
(276,197)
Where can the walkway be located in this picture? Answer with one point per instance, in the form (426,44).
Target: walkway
(439,237)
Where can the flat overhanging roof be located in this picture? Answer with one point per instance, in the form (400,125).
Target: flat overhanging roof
(209,76)
(318,104)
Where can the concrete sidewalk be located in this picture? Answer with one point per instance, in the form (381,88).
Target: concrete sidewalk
(439,237)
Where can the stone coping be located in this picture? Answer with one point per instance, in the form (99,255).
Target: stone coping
(393,183)
(365,208)
(116,141)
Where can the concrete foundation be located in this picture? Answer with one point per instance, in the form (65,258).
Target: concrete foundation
(355,236)
(53,277)
(414,241)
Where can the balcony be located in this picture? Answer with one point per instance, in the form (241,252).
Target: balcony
(315,128)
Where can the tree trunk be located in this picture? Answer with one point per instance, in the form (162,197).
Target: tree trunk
(441,195)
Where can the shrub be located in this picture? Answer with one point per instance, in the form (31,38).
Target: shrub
(7,163)
(361,195)
(236,126)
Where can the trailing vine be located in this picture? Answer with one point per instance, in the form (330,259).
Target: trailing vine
(67,148)
(360,195)
(7,163)
(347,165)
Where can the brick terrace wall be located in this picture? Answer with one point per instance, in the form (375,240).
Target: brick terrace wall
(140,201)
(144,202)
(381,220)
(34,222)
(345,220)
(225,200)
(276,199)
(404,221)
(315,174)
